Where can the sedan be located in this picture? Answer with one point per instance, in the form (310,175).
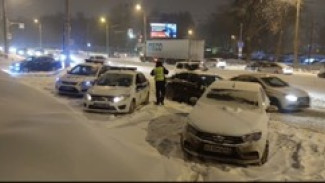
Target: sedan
(229,123)
(189,85)
(280,93)
(33,64)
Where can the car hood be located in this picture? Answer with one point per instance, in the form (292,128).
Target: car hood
(288,90)
(76,78)
(109,90)
(225,120)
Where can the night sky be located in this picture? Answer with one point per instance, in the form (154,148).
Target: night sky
(200,9)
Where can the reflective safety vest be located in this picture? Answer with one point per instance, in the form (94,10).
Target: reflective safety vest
(159,74)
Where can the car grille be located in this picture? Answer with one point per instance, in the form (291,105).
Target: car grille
(69,83)
(97,98)
(111,108)
(69,89)
(303,100)
(220,139)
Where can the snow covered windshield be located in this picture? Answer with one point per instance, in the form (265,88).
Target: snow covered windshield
(124,80)
(274,82)
(235,97)
(84,70)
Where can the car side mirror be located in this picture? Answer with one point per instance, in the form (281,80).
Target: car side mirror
(193,100)
(272,109)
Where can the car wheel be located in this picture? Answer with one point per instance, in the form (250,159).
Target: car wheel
(25,69)
(170,94)
(132,107)
(146,101)
(265,154)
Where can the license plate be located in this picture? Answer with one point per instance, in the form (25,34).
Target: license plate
(101,105)
(67,88)
(217,149)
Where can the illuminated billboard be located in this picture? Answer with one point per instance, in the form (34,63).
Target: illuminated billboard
(163,31)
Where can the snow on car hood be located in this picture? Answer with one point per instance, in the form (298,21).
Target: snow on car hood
(76,78)
(226,120)
(288,90)
(109,90)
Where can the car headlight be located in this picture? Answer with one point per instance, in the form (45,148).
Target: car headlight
(86,84)
(17,65)
(88,97)
(291,98)
(190,129)
(252,137)
(120,98)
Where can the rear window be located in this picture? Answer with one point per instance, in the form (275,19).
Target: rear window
(234,98)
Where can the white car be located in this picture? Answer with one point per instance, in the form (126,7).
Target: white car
(216,62)
(117,91)
(271,67)
(229,123)
(280,93)
(80,78)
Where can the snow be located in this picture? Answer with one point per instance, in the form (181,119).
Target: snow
(44,136)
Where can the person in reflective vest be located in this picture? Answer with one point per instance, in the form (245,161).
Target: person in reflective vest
(159,73)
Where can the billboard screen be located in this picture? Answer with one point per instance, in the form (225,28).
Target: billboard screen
(163,31)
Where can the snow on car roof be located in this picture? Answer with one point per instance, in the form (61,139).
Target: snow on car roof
(238,85)
(258,75)
(199,72)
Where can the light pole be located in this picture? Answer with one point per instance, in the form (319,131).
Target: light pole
(296,38)
(5,28)
(139,8)
(190,34)
(40,30)
(104,21)
(67,32)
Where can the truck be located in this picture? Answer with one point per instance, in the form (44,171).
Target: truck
(173,50)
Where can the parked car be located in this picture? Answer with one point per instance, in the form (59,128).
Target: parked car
(34,64)
(229,123)
(117,91)
(96,59)
(187,85)
(216,62)
(270,67)
(280,93)
(79,79)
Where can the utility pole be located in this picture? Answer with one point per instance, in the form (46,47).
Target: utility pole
(310,45)
(5,28)
(296,38)
(67,31)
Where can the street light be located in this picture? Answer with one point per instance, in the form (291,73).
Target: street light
(40,29)
(104,21)
(139,8)
(190,32)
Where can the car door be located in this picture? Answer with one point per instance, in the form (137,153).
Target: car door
(141,88)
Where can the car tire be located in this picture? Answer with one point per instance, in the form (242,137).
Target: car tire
(275,101)
(25,69)
(132,107)
(170,94)
(265,154)
(146,101)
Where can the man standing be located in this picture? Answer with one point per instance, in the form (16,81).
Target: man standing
(159,73)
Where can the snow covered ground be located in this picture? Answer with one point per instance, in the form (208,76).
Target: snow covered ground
(49,137)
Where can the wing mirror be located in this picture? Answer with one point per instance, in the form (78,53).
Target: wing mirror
(193,100)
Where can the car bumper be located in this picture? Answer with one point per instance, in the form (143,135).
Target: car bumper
(247,153)
(302,103)
(106,107)
(70,90)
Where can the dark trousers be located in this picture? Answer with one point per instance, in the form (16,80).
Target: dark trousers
(160,91)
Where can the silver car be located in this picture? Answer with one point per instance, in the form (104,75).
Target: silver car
(280,93)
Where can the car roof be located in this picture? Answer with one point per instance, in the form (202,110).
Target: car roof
(132,72)
(198,72)
(193,62)
(257,75)
(237,85)
(90,64)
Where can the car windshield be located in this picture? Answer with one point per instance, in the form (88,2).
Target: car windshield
(84,70)
(192,66)
(124,80)
(274,82)
(235,98)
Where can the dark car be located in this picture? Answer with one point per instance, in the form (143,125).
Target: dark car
(32,64)
(188,86)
